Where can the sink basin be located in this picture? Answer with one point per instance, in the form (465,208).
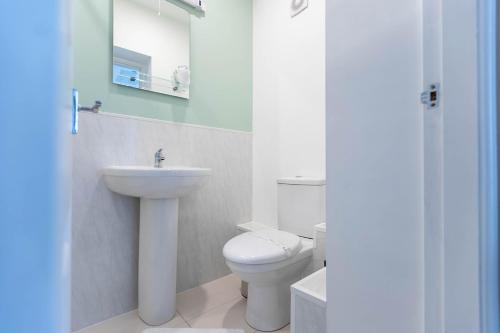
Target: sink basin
(154,183)
(159,190)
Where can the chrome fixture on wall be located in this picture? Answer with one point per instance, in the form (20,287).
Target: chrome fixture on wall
(159,158)
(76,108)
(95,108)
(196,4)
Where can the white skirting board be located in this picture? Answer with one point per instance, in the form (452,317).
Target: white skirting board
(190,330)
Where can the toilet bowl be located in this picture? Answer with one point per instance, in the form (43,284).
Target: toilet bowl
(270,261)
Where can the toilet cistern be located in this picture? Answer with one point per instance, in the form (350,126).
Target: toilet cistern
(159,158)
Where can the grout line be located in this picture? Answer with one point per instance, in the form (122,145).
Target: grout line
(215,308)
(84,329)
(195,317)
(184,319)
(205,286)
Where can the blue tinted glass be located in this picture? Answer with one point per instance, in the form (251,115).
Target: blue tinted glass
(126,76)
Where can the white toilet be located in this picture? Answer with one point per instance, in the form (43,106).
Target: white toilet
(271,260)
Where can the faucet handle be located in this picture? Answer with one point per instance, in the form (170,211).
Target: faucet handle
(159,157)
(159,154)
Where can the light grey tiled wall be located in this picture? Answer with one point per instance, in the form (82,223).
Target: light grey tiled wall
(106,225)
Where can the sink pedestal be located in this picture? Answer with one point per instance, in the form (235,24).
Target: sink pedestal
(159,190)
(158,259)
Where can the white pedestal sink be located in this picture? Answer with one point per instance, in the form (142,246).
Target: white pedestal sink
(159,190)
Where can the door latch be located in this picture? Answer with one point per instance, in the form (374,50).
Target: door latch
(431,97)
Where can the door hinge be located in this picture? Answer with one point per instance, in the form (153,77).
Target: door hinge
(431,97)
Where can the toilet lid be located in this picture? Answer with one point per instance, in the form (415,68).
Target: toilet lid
(262,247)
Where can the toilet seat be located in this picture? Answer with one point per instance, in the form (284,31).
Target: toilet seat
(270,261)
(262,247)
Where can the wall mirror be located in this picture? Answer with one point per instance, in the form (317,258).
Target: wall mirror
(151,46)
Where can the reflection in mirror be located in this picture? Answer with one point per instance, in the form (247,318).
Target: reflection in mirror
(151,46)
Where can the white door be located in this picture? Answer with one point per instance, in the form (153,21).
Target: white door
(375,166)
(411,220)
(35,197)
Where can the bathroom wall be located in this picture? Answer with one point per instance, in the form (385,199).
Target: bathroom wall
(288,99)
(221,66)
(211,129)
(106,225)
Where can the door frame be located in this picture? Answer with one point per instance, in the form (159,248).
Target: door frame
(488,167)
(470,283)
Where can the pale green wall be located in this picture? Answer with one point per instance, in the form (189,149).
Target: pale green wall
(221,65)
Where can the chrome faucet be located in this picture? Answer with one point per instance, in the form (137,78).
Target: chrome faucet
(159,157)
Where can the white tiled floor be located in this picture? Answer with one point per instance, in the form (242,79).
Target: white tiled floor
(217,304)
